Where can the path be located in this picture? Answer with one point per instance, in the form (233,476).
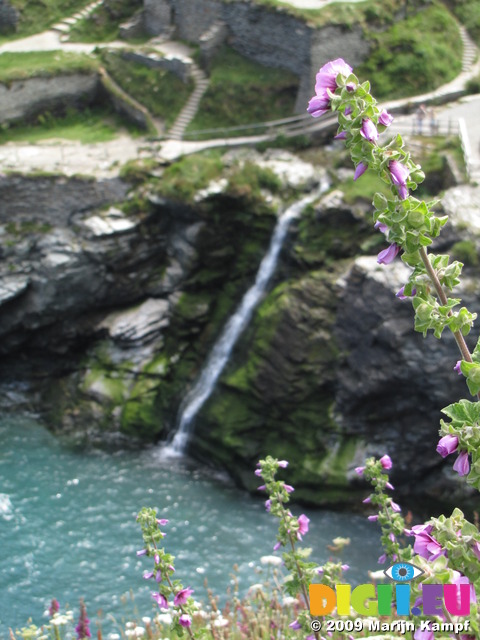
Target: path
(103,159)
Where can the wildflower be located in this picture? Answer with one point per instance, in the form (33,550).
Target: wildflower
(423,634)
(54,607)
(369,130)
(158,575)
(390,486)
(345,567)
(359,471)
(182,596)
(268,505)
(447,445)
(385,118)
(399,174)
(302,525)
(458,368)
(340,136)
(401,293)
(360,170)
(386,462)
(147,575)
(462,464)
(82,629)
(185,620)
(295,625)
(476,549)
(425,545)
(258,473)
(373,518)
(261,488)
(142,552)
(288,488)
(160,600)
(381,226)
(382,559)
(162,521)
(272,560)
(389,254)
(367,500)
(395,506)
(326,80)
(283,464)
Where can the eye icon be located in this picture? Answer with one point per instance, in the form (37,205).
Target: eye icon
(403,572)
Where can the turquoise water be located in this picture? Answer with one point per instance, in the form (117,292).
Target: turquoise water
(68,530)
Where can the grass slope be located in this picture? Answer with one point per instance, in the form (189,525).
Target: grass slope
(21,65)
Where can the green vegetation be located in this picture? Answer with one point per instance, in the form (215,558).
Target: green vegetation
(465,251)
(102,25)
(21,65)
(243,92)
(98,124)
(184,178)
(468,12)
(414,56)
(248,180)
(38,15)
(160,91)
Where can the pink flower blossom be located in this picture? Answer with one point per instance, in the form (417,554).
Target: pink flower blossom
(386,462)
(185,620)
(360,170)
(389,254)
(369,130)
(359,471)
(160,600)
(462,464)
(385,118)
(326,80)
(283,464)
(458,367)
(182,596)
(447,445)
(302,525)
(399,174)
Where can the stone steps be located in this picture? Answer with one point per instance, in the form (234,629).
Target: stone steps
(188,112)
(470,51)
(63,27)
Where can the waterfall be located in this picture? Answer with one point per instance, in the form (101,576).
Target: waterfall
(221,350)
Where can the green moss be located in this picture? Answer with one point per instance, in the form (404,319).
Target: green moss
(102,25)
(37,15)
(184,178)
(242,92)
(248,179)
(415,55)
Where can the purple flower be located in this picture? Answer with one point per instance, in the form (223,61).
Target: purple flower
(360,170)
(359,471)
(283,464)
(399,174)
(82,628)
(148,574)
(160,600)
(268,505)
(348,110)
(458,368)
(158,575)
(382,559)
(302,525)
(261,488)
(373,518)
(340,136)
(258,473)
(395,506)
(156,557)
(389,254)
(476,549)
(288,488)
(447,445)
(388,485)
(182,596)
(295,625)
(462,464)
(426,546)
(277,546)
(143,552)
(423,635)
(326,80)
(369,130)
(54,607)
(367,500)
(345,567)
(381,226)
(386,462)
(185,620)
(162,521)
(385,118)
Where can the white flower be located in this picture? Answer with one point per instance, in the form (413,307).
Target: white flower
(288,600)
(130,633)
(146,620)
(139,632)
(164,618)
(220,621)
(273,560)
(255,587)
(130,625)
(113,636)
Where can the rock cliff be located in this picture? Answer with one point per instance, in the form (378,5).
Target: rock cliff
(111,297)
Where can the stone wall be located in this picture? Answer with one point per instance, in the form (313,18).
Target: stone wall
(23,99)
(8,17)
(272,37)
(156,16)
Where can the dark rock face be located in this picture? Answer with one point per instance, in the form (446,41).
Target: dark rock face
(106,319)
(8,17)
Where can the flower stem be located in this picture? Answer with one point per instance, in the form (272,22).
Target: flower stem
(460,340)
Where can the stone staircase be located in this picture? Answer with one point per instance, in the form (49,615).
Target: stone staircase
(63,27)
(188,112)
(470,50)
